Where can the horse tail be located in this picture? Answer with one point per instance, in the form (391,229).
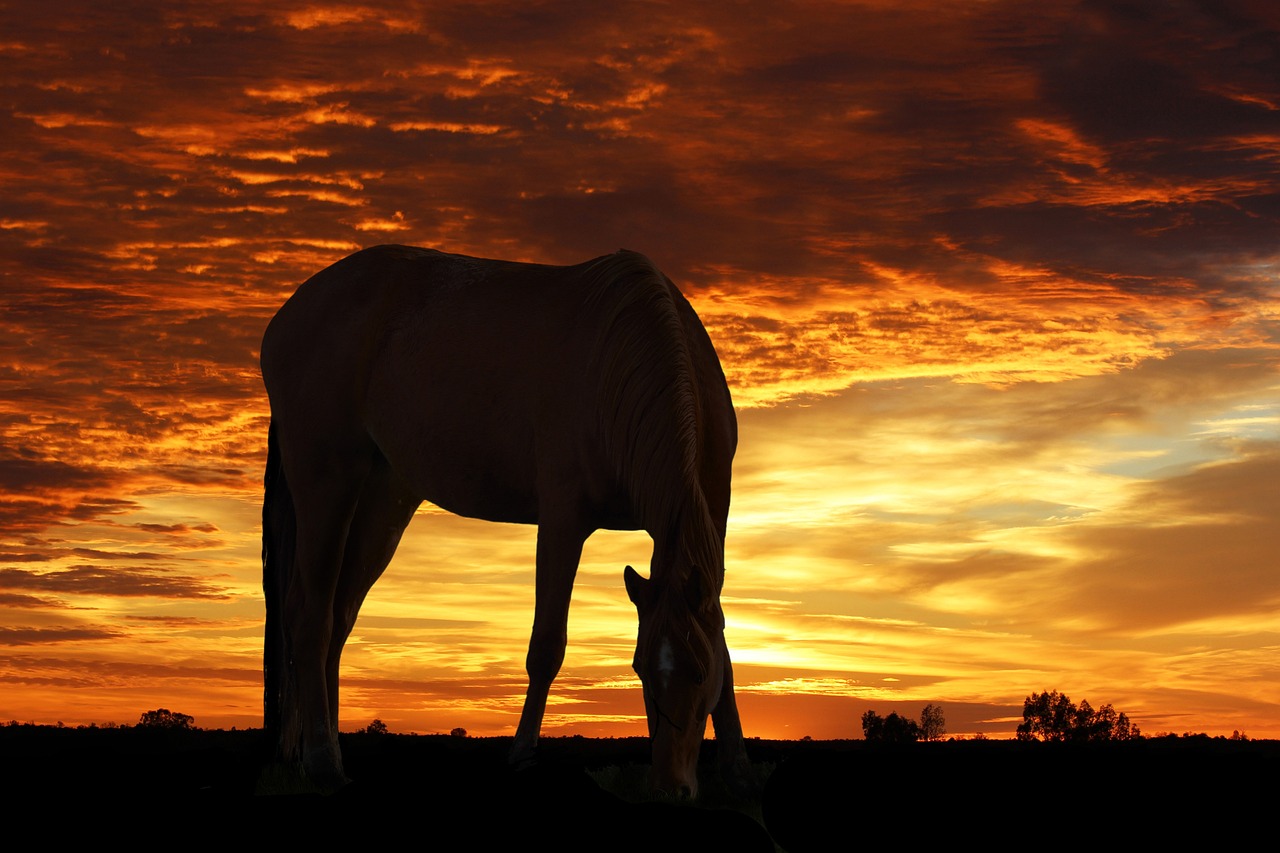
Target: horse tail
(279,529)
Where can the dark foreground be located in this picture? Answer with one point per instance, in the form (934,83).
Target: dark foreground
(179,786)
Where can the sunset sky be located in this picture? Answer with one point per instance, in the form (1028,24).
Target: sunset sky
(996,286)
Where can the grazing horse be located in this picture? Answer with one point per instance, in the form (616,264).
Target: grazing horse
(575,398)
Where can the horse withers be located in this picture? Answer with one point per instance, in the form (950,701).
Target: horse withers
(575,398)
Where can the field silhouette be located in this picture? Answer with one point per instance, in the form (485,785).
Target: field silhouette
(583,794)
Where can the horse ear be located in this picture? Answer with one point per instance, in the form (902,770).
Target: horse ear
(637,587)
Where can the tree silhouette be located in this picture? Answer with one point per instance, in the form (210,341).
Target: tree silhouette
(932,724)
(890,729)
(377,727)
(1046,716)
(1052,716)
(163,718)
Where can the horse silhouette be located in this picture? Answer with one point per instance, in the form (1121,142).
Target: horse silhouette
(575,398)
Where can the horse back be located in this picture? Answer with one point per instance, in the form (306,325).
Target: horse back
(483,382)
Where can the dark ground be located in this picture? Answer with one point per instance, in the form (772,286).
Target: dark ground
(834,795)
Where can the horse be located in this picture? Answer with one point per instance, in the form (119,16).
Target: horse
(576,398)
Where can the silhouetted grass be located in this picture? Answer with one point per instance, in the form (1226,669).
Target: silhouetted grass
(806,793)
(630,783)
(283,780)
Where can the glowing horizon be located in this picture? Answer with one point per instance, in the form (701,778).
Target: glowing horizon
(995,292)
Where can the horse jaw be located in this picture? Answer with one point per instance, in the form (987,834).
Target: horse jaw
(674,772)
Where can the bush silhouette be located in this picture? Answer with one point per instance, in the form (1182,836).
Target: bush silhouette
(163,718)
(890,729)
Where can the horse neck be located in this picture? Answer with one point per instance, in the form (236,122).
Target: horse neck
(650,412)
(689,541)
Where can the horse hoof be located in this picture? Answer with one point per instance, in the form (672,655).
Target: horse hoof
(522,760)
(323,766)
(291,779)
(739,780)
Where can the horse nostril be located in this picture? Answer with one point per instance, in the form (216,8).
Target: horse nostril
(679,793)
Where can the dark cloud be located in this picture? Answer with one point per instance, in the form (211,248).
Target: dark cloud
(178,621)
(1148,249)
(116,580)
(22,557)
(18,600)
(178,529)
(19,517)
(1182,72)
(44,636)
(19,475)
(54,671)
(1201,555)
(98,554)
(93,508)
(692,136)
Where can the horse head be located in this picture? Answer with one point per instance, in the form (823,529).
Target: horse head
(680,658)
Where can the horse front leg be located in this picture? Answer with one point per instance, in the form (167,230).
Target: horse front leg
(559,550)
(731,748)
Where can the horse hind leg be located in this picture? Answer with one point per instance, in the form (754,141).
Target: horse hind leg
(384,510)
(325,490)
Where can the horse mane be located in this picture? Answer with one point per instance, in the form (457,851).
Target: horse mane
(651,415)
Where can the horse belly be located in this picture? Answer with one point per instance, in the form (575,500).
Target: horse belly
(462,458)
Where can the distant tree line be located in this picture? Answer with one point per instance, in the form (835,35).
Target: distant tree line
(1047,716)
(898,729)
